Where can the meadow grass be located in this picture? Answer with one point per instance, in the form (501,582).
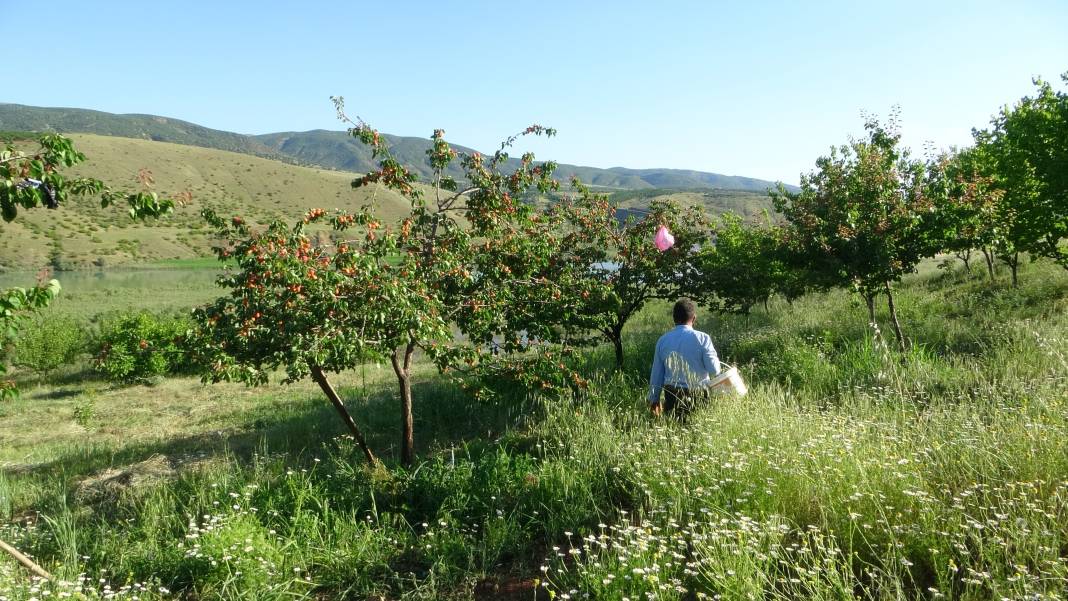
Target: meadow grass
(850,471)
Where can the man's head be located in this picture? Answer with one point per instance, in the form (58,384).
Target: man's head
(684,312)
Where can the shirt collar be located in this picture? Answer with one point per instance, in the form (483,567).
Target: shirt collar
(683,326)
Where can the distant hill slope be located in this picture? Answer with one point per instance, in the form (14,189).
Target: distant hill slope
(17,117)
(751,206)
(82,235)
(329,149)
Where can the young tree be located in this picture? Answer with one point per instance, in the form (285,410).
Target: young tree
(1028,144)
(474,256)
(34,178)
(967,211)
(619,254)
(862,210)
(744,265)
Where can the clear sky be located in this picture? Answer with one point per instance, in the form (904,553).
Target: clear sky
(745,88)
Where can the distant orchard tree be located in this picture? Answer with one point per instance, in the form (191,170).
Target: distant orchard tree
(1028,144)
(862,212)
(743,265)
(967,212)
(620,254)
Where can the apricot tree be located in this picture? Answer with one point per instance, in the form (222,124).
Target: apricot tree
(475,255)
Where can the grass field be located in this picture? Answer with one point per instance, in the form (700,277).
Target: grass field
(850,471)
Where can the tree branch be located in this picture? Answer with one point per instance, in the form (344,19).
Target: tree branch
(25,561)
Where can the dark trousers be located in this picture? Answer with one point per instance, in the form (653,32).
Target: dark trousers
(680,402)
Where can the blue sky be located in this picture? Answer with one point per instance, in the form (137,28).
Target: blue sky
(757,89)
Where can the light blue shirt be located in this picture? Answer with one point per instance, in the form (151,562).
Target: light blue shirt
(685,358)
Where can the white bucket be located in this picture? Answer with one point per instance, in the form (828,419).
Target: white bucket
(729,381)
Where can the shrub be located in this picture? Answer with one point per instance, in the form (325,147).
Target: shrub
(141,347)
(48,343)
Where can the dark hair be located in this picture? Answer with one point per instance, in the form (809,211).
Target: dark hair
(684,311)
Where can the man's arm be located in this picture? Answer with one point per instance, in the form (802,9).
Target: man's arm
(656,377)
(710,358)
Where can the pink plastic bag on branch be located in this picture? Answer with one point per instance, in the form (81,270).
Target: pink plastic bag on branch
(663,239)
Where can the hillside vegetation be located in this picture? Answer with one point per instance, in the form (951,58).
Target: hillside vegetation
(850,471)
(84,235)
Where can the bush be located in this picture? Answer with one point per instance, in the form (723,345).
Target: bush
(48,343)
(141,348)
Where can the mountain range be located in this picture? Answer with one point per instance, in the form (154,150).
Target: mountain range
(330,149)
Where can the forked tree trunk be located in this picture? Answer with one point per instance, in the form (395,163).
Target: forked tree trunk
(966,258)
(893,317)
(402,367)
(869,299)
(320,378)
(989,256)
(1014,265)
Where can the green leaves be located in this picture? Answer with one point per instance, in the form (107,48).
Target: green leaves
(1027,150)
(861,210)
(742,266)
(31,180)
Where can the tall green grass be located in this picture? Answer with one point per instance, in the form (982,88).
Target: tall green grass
(850,471)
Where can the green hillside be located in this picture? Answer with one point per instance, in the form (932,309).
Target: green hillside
(329,149)
(17,117)
(83,235)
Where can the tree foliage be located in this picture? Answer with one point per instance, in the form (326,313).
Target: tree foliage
(470,255)
(622,259)
(15,305)
(743,265)
(34,179)
(863,211)
(1028,147)
(968,212)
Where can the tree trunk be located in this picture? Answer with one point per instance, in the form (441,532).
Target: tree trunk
(26,562)
(403,368)
(989,256)
(766,305)
(1014,265)
(869,299)
(893,317)
(966,258)
(615,334)
(321,379)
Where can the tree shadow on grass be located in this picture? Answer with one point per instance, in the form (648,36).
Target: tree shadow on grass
(445,417)
(52,395)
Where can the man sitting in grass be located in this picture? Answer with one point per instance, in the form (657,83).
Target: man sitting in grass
(683,364)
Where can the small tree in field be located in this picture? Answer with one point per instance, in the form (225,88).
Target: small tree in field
(744,265)
(967,213)
(863,210)
(621,256)
(1028,147)
(31,179)
(473,256)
